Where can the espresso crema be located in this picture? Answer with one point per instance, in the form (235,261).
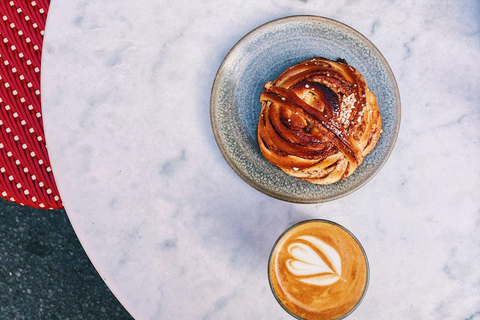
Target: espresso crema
(318,271)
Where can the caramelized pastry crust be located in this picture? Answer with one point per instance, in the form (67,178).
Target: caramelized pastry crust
(318,120)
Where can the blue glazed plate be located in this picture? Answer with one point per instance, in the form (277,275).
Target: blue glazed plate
(261,56)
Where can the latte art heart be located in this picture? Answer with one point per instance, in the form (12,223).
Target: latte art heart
(318,270)
(314,261)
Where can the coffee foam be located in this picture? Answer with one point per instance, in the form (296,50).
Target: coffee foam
(318,270)
(307,261)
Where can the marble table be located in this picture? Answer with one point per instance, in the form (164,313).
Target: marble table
(176,234)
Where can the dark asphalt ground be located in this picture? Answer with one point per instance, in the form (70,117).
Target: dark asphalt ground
(44,271)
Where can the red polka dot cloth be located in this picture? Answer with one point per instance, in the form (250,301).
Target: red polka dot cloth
(25,173)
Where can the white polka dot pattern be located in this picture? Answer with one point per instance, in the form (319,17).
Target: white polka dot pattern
(25,173)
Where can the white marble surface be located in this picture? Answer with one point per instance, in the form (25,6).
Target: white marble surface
(170,227)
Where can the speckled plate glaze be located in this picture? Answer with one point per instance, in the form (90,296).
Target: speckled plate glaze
(261,56)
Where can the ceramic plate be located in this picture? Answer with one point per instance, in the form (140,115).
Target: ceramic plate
(261,56)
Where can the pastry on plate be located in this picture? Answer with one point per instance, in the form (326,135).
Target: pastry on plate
(318,120)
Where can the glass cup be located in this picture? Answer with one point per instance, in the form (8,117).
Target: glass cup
(318,270)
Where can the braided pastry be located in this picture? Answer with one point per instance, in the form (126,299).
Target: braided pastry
(318,120)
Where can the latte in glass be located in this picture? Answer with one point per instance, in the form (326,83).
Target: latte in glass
(318,271)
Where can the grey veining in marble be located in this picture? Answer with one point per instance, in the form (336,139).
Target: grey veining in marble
(176,234)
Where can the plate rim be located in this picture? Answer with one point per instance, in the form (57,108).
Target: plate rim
(262,189)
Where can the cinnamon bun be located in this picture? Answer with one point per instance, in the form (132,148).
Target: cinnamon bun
(318,120)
